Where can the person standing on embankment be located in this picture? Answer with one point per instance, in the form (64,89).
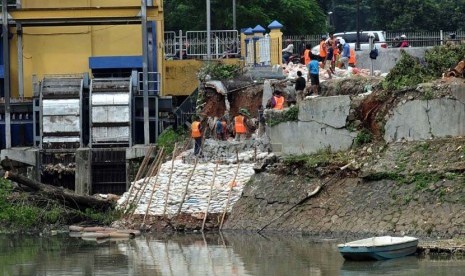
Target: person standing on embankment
(196,134)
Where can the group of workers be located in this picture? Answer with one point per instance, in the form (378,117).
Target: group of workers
(240,129)
(241,124)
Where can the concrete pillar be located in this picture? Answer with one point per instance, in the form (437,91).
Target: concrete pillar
(82,177)
(258,32)
(248,41)
(243,47)
(276,42)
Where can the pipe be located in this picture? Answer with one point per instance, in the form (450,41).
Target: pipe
(145,72)
(209,50)
(6,69)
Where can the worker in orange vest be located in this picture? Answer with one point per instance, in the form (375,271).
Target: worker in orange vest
(239,126)
(277,101)
(196,134)
(308,49)
(352,59)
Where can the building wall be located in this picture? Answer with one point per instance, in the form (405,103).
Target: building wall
(66,50)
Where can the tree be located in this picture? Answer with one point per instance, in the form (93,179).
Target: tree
(298,16)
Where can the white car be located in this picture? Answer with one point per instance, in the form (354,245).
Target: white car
(351,38)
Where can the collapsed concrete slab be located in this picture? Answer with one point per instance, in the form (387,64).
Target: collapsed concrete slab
(422,119)
(308,137)
(331,111)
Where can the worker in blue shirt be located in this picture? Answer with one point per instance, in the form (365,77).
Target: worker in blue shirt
(345,56)
(314,74)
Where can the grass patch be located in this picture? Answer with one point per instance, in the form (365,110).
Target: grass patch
(218,71)
(320,159)
(23,212)
(288,115)
(363,137)
(169,137)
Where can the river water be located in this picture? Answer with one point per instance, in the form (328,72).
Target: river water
(196,254)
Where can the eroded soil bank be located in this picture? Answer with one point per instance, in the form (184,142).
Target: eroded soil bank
(415,188)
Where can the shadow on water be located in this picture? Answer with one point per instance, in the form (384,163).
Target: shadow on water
(196,254)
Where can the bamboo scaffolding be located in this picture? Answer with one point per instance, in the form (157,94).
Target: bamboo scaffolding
(210,195)
(147,180)
(162,154)
(230,190)
(187,186)
(147,175)
(139,174)
(169,180)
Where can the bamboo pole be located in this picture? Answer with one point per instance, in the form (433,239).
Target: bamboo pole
(210,195)
(147,180)
(147,175)
(230,190)
(154,184)
(187,186)
(169,180)
(139,173)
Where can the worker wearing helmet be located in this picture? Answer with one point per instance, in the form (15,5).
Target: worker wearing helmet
(404,42)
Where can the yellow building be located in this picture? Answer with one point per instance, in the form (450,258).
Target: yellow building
(63,37)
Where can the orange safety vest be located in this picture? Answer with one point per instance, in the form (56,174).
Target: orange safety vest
(279,103)
(307,58)
(196,130)
(239,124)
(322,49)
(352,59)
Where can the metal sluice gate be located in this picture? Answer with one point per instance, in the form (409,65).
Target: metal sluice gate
(73,112)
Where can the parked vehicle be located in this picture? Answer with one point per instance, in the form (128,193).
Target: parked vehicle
(351,38)
(379,248)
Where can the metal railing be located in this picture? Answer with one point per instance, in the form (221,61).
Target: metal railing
(187,108)
(193,44)
(415,39)
(154,82)
(425,39)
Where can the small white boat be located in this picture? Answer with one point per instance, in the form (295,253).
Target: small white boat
(379,248)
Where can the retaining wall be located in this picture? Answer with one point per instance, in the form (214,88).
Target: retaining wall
(387,58)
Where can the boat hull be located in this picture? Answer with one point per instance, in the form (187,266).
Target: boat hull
(379,252)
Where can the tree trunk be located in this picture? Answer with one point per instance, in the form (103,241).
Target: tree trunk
(71,199)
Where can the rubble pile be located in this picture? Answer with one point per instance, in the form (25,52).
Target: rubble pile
(226,150)
(290,70)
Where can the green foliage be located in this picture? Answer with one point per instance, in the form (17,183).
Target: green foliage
(297,16)
(20,212)
(101,218)
(169,137)
(319,159)
(440,58)
(415,15)
(363,137)
(407,72)
(302,17)
(218,71)
(288,115)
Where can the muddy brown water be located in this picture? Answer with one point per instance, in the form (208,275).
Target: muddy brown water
(196,254)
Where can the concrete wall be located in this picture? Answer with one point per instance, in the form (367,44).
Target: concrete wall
(321,125)
(322,122)
(387,58)
(426,119)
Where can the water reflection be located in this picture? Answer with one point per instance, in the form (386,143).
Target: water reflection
(213,254)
